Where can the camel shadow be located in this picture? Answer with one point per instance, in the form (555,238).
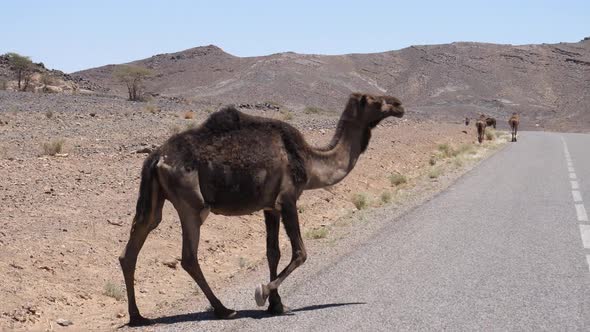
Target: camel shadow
(253,314)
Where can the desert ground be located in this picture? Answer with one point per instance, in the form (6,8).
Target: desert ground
(65,218)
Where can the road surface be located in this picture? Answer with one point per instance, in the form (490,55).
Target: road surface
(507,247)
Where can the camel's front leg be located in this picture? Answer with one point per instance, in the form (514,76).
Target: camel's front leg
(273,254)
(291,222)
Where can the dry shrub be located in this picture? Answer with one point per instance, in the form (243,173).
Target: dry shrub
(360,201)
(397,179)
(151,108)
(317,233)
(113,290)
(490,134)
(386,197)
(313,110)
(53,147)
(435,172)
(189,115)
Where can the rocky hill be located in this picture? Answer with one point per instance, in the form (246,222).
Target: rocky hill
(548,83)
(46,80)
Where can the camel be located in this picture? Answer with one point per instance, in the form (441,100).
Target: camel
(467,121)
(513,122)
(236,164)
(481,127)
(491,122)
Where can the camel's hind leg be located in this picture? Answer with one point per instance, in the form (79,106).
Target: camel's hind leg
(139,231)
(273,254)
(191,220)
(291,222)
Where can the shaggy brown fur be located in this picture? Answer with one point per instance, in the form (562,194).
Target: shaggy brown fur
(481,124)
(236,164)
(514,121)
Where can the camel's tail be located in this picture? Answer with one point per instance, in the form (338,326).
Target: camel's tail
(149,179)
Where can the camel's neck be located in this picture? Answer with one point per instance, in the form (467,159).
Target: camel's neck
(329,165)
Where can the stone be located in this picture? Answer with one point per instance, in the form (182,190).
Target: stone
(63,322)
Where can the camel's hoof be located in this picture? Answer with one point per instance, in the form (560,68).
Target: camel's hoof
(261,294)
(225,313)
(139,321)
(278,309)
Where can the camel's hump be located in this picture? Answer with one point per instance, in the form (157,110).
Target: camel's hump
(226,119)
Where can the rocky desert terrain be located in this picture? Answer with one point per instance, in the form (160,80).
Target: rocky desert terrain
(65,218)
(548,84)
(71,152)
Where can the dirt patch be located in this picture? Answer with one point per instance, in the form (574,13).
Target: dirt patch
(64,219)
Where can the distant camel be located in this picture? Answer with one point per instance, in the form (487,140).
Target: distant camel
(236,164)
(491,122)
(481,128)
(467,121)
(513,122)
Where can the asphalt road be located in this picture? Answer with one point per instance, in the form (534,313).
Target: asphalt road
(501,249)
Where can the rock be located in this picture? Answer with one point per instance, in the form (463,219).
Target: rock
(120,315)
(63,322)
(171,263)
(116,223)
(16,266)
(144,150)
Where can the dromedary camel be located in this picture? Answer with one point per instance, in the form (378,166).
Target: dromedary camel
(481,127)
(491,122)
(513,122)
(235,164)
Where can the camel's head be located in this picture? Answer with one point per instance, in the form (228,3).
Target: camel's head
(371,109)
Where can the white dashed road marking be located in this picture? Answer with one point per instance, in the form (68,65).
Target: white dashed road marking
(585,230)
(581,212)
(578,202)
(577,196)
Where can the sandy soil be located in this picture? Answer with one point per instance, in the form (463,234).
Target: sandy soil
(65,219)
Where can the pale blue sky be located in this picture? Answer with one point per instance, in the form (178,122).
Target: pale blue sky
(72,35)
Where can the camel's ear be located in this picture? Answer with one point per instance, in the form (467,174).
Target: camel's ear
(363,101)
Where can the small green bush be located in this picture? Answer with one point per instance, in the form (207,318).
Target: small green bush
(446,150)
(151,108)
(435,172)
(317,233)
(191,125)
(53,147)
(313,110)
(113,290)
(397,179)
(287,115)
(490,134)
(360,201)
(386,197)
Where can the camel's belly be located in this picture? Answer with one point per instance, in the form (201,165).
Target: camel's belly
(230,191)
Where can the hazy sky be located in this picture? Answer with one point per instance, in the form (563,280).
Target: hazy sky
(76,34)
